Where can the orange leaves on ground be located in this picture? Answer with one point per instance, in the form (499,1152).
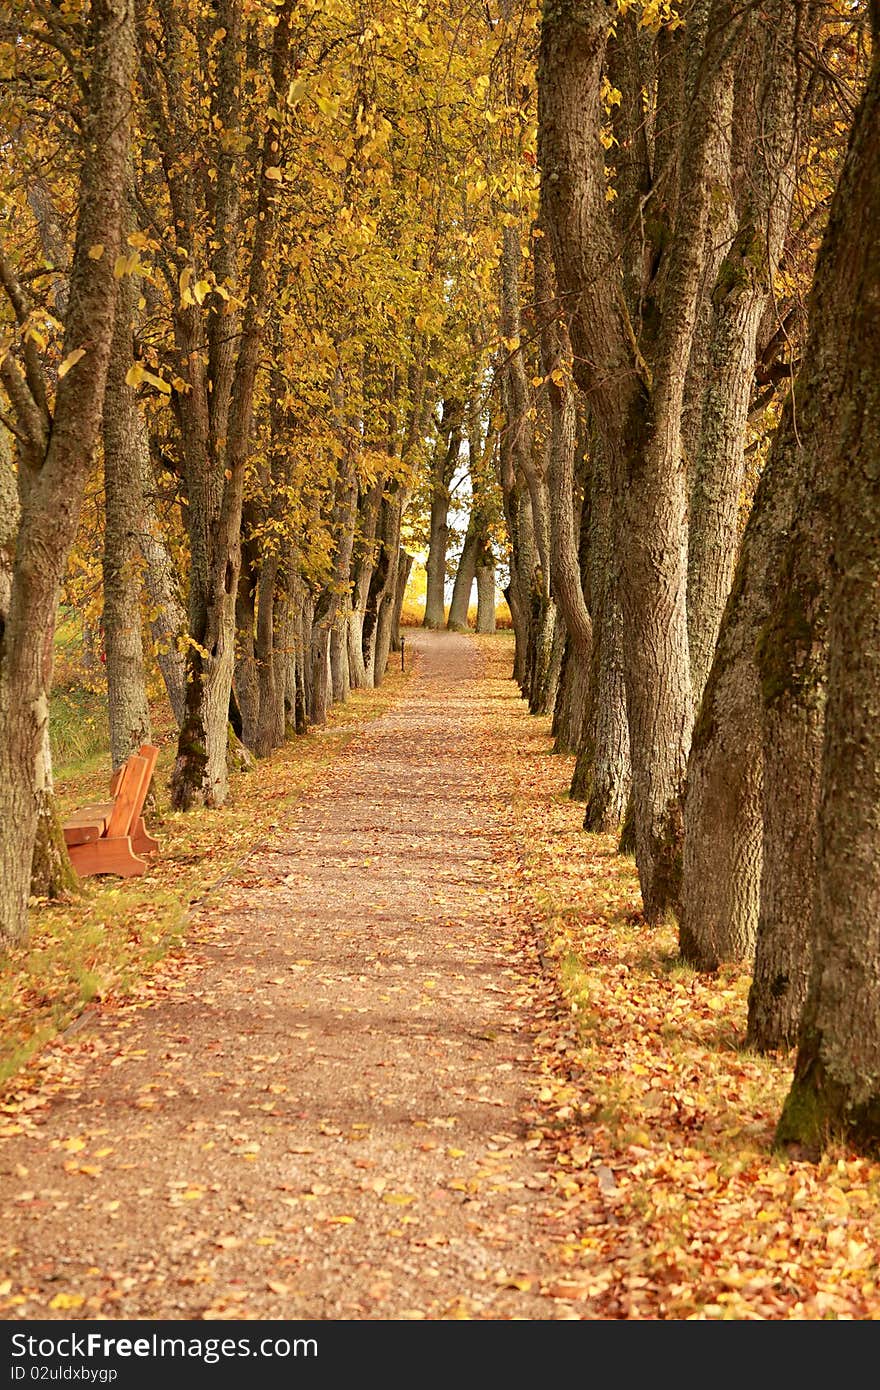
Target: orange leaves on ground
(658,1125)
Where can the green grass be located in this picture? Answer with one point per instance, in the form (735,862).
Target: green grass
(78,730)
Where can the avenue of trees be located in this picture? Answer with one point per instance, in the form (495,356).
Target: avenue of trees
(282,280)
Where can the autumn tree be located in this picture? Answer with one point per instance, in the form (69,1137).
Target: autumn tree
(835,1093)
(55,431)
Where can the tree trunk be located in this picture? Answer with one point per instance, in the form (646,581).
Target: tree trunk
(269,730)
(602,776)
(835,1093)
(362,570)
(446,452)
(771,96)
(219,355)
(56,452)
(633,371)
(792,665)
(160,578)
(519,535)
(390,520)
(334,600)
(485,588)
(404,567)
(464,579)
(129,711)
(52,874)
(245,682)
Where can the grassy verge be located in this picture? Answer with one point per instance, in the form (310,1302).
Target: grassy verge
(106,940)
(661,1123)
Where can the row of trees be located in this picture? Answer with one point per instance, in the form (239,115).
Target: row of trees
(248,253)
(279,268)
(716,675)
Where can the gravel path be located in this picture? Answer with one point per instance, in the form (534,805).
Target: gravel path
(320,1113)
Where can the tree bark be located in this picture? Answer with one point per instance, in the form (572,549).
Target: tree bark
(57,450)
(835,1093)
(129,712)
(767,115)
(603,774)
(485,588)
(404,568)
(362,570)
(168,623)
(633,373)
(445,459)
(465,574)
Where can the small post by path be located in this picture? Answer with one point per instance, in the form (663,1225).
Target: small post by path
(402,653)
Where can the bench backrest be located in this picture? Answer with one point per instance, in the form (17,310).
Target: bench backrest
(129,788)
(127,797)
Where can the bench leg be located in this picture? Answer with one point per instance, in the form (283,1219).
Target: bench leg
(141,842)
(107,857)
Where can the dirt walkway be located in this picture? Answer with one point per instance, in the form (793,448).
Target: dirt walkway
(319,1113)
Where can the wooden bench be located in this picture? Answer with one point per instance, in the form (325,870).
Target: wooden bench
(109,837)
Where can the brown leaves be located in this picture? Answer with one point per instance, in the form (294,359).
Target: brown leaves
(657,1125)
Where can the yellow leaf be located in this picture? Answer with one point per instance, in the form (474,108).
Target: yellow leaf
(96,251)
(74,1146)
(152,380)
(398,1199)
(340,1220)
(70,361)
(67,1300)
(186,297)
(273,173)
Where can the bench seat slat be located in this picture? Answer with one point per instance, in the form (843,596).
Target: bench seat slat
(81,832)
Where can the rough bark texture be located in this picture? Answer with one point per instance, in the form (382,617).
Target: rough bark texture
(564,512)
(835,1093)
(52,874)
(771,92)
(792,664)
(57,452)
(603,774)
(569,713)
(530,539)
(129,712)
(633,373)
